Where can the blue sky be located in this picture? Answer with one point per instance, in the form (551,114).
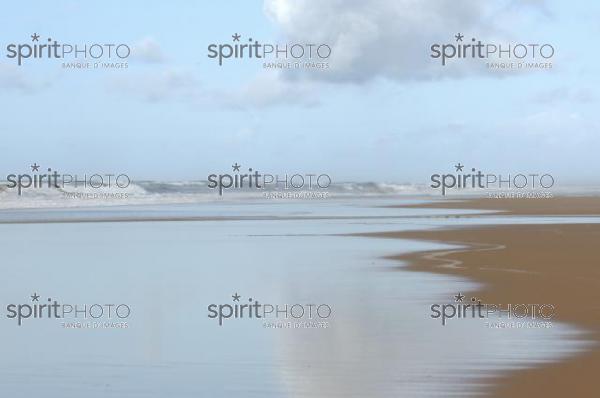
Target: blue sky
(384,112)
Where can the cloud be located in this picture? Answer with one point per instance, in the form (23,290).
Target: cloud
(370,39)
(562,94)
(148,50)
(13,78)
(168,84)
(387,38)
(175,84)
(266,90)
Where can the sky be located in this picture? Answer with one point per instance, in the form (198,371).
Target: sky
(383,111)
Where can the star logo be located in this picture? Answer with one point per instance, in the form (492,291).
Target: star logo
(459,298)
(236,167)
(236,37)
(459,37)
(35,37)
(35,167)
(236,297)
(459,167)
(35,297)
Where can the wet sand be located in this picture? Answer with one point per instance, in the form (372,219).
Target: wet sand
(558,206)
(557,264)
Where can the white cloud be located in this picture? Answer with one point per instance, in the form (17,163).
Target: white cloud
(148,50)
(168,84)
(268,89)
(13,78)
(174,84)
(385,38)
(369,39)
(561,94)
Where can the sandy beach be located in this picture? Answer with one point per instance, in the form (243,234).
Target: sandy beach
(169,263)
(527,263)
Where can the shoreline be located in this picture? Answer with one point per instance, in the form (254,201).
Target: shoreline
(557,206)
(526,263)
